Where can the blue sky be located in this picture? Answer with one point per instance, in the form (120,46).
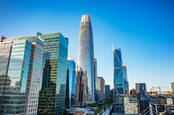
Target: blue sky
(143,29)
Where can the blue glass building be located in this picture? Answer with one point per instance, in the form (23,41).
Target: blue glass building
(95,78)
(72,81)
(5,53)
(53,92)
(126,83)
(118,73)
(86,55)
(107,91)
(21,90)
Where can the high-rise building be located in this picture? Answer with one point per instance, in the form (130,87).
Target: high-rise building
(24,76)
(119,103)
(172,84)
(71,81)
(81,88)
(95,78)
(140,89)
(144,103)
(107,91)
(100,88)
(121,84)
(5,52)
(118,74)
(112,94)
(53,92)
(125,105)
(130,105)
(86,55)
(126,84)
(67,98)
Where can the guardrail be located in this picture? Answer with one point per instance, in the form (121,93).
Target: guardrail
(108,110)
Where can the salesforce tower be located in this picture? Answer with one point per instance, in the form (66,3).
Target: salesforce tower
(86,55)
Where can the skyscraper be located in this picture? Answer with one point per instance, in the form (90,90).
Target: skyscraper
(172,84)
(24,76)
(140,89)
(86,54)
(118,74)
(107,91)
(67,98)
(71,81)
(53,91)
(126,84)
(130,105)
(95,78)
(5,52)
(100,88)
(81,86)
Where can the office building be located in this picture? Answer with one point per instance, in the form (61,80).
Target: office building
(172,84)
(162,103)
(107,92)
(144,104)
(95,78)
(100,88)
(112,94)
(86,55)
(81,88)
(130,105)
(71,79)
(125,105)
(126,84)
(53,92)
(24,76)
(67,98)
(119,103)
(118,74)
(5,52)
(140,89)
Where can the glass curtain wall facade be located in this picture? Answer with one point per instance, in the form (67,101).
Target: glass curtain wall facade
(14,97)
(72,81)
(95,78)
(67,99)
(24,72)
(140,89)
(35,78)
(126,84)
(86,55)
(5,52)
(53,91)
(107,91)
(118,74)
(81,86)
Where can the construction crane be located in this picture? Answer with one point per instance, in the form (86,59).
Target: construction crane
(157,90)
